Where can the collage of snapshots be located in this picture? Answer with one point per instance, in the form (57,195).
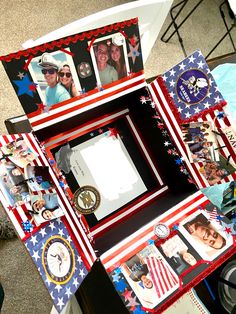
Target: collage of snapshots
(202,147)
(27,185)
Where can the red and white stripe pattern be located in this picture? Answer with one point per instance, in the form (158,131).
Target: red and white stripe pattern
(18,215)
(164,109)
(73,107)
(163,277)
(138,240)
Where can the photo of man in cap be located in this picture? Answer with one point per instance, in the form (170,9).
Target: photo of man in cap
(55,92)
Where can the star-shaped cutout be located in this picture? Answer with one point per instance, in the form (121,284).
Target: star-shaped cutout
(121,285)
(127,294)
(60,303)
(133,52)
(61,232)
(116,277)
(68,292)
(24,86)
(20,75)
(43,232)
(113,132)
(35,255)
(132,302)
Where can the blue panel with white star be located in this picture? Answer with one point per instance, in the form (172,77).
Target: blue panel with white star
(192,88)
(57,261)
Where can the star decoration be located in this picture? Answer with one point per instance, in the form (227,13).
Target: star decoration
(27,226)
(220,115)
(175,227)
(24,86)
(113,132)
(132,302)
(20,75)
(178,161)
(133,52)
(127,294)
(133,40)
(116,277)
(121,285)
(151,241)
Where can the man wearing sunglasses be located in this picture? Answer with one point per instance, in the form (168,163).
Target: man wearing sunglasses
(55,92)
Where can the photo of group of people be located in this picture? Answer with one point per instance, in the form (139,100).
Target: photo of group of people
(57,77)
(23,183)
(150,276)
(200,141)
(109,56)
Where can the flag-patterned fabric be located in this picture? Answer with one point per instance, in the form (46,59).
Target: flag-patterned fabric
(192,88)
(163,277)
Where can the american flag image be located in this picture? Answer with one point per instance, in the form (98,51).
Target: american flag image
(192,87)
(164,278)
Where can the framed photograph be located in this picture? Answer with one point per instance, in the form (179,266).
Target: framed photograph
(45,207)
(13,185)
(206,236)
(151,278)
(108,156)
(55,77)
(110,59)
(179,253)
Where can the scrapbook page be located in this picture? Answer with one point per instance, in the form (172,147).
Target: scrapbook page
(196,115)
(58,80)
(42,216)
(189,241)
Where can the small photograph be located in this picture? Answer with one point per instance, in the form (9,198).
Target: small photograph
(19,153)
(13,185)
(110,58)
(206,236)
(178,254)
(150,276)
(214,171)
(195,132)
(202,152)
(45,207)
(56,77)
(38,178)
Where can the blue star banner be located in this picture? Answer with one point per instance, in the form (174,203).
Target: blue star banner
(57,261)
(192,88)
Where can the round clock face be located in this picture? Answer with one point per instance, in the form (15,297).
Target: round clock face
(58,260)
(162,230)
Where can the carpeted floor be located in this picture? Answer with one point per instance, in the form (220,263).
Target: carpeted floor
(24,19)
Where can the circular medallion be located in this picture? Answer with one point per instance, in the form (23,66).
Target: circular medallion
(58,260)
(87,199)
(84,69)
(162,231)
(118,39)
(192,86)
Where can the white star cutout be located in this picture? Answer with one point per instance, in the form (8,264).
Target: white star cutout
(69,239)
(166,143)
(172,83)
(209,95)
(34,240)
(81,273)
(48,281)
(217,99)
(59,220)
(20,75)
(164,77)
(75,282)
(191,59)
(182,66)
(187,115)
(200,64)
(180,109)
(36,255)
(171,94)
(60,231)
(207,105)
(51,225)
(68,292)
(216,89)
(172,72)
(197,110)
(79,259)
(42,232)
(60,303)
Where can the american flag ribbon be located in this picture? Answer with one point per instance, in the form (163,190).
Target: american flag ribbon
(162,275)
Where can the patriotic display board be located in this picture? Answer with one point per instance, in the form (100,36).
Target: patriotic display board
(106,146)
(160,262)
(44,219)
(195,114)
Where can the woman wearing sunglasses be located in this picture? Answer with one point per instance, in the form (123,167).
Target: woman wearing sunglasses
(66,80)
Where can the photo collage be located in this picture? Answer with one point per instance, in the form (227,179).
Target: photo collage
(27,185)
(203,148)
(165,266)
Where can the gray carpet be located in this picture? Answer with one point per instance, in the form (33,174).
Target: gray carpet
(24,19)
